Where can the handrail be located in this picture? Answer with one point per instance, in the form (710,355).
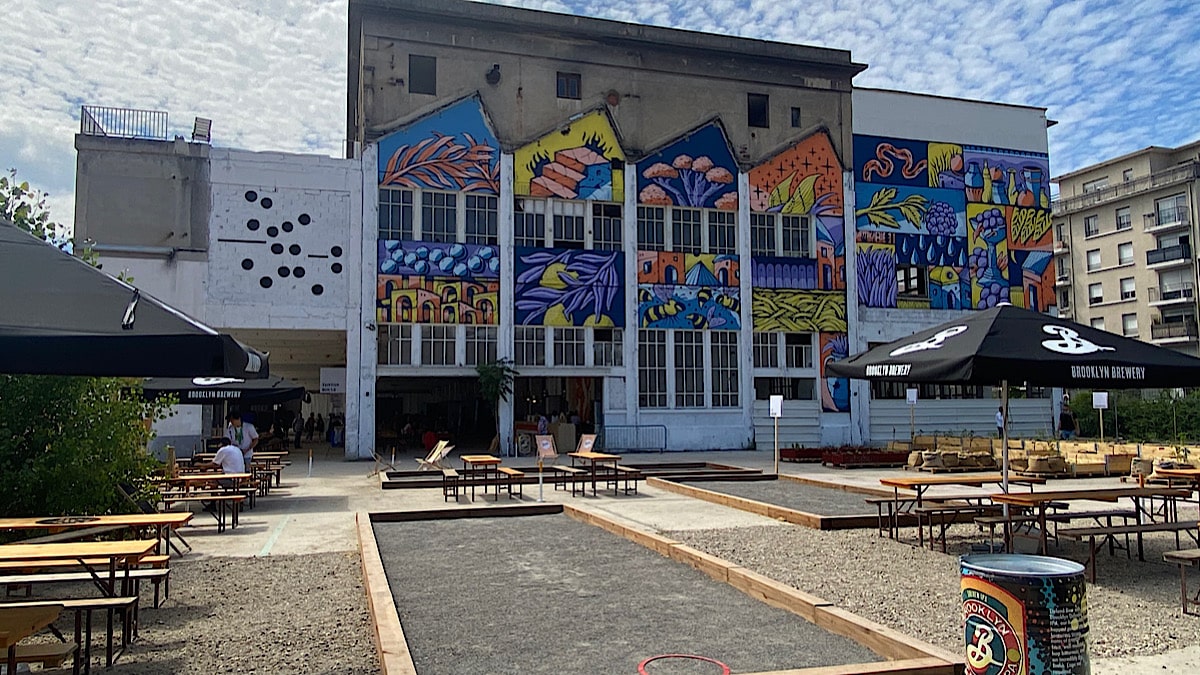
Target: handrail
(1160,179)
(633,437)
(95,120)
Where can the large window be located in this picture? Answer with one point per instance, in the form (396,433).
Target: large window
(758,107)
(529,343)
(606,347)
(652,368)
(422,74)
(1098,323)
(791,388)
(722,232)
(1171,210)
(1093,259)
(395,214)
(724,368)
(926,392)
(689,369)
(1091,225)
(481,345)
(781,235)
(437,345)
(395,345)
(529,222)
(1128,290)
(482,216)
(766,350)
(1124,219)
(568,224)
(912,280)
(797,236)
(1125,253)
(685,230)
(1095,294)
(1129,327)
(798,348)
(762,234)
(569,347)
(652,228)
(439,217)
(606,226)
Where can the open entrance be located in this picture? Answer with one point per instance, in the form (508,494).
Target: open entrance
(451,407)
(573,405)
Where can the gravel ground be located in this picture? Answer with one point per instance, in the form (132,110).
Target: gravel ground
(547,594)
(1133,609)
(793,495)
(277,614)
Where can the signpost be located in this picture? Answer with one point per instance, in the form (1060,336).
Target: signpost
(545,449)
(776,413)
(1100,403)
(911,396)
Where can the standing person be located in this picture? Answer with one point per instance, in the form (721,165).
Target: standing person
(543,425)
(1000,422)
(1067,425)
(297,429)
(242,434)
(310,425)
(320,426)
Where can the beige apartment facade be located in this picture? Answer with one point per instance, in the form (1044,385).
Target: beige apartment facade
(1124,246)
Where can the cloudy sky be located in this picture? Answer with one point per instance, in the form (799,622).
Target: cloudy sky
(1117,75)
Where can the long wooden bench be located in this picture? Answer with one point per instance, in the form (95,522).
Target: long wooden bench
(944,514)
(624,478)
(46,654)
(901,508)
(83,608)
(1185,559)
(222,500)
(157,576)
(450,484)
(1138,529)
(510,476)
(564,474)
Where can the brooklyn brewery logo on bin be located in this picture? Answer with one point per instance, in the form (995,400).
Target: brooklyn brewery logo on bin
(1069,342)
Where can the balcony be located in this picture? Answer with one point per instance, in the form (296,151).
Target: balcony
(1175,176)
(1061,247)
(1165,220)
(1169,255)
(1176,331)
(1172,294)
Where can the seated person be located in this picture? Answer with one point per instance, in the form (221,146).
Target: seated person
(228,459)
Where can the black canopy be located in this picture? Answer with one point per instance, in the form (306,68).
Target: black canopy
(61,316)
(216,389)
(1011,344)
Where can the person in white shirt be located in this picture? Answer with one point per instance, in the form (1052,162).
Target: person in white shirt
(1000,422)
(229,460)
(243,435)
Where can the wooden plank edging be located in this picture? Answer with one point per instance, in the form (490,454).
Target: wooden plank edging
(390,645)
(741,503)
(925,666)
(816,482)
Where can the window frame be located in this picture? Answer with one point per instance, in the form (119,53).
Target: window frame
(568,86)
(758,110)
(1088,260)
(689,368)
(1124,217)
(1095,299)
(529,346)
(652,368)
(395,208)
(1121,258)
(1130,294)
(1091,225)
(439,344)
(724,373)
(915,276)
(1125,324)
(421,66)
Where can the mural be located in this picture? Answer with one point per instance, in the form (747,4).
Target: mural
(690,269)
(423,258)
(772,272)
(805,179)
(569,287)
(670,306)
(835,391)
(788,311)
(976,219)
(415,299)
(450,149)
(582,161)
(696,170)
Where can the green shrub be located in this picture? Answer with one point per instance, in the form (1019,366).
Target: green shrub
(1140,419)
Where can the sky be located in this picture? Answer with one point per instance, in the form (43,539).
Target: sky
(1117,75)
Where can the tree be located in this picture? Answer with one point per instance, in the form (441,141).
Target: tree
(496,384)
(26,208)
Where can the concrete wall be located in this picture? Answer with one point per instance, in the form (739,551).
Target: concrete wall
(141,193)
(880,112)
(1027,418)
(801,423)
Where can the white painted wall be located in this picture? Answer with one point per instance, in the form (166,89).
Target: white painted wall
(184,429)
(880,112)
(180,282)
(705,429)
(801,423)
(1027,418)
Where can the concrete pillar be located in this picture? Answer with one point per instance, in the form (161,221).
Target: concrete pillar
(860,390)
(745,291)
(630,344)
(504,336)
(361,327)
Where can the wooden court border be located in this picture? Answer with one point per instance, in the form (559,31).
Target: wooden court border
(796,517)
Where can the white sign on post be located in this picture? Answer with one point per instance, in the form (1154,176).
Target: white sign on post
(1100,400)
(333,380)
(776,405)
(911,395)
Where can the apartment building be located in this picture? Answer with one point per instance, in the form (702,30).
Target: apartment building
(1124,254)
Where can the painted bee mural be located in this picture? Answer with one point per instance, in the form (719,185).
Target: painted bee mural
(705,307)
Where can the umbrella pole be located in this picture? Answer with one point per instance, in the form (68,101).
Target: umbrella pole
(1004,443)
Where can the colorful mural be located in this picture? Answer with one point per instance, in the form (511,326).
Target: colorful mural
(672,306)
(450,149)
(772,272)
(835,391)
(569,287)
(695,170)
(976,219)
(416,299)
(789,311)
(423,258)
(688,269)
(581,161)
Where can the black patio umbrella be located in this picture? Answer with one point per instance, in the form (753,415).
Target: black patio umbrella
(217,389)
(61,316)
(1009,344)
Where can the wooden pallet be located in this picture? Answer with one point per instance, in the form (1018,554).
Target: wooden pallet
(955,469)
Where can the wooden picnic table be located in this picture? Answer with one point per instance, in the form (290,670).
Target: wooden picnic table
(473,464)
(18,624)
(1039,502)
(164,523)
(921,484)
(593,458)
(84,552)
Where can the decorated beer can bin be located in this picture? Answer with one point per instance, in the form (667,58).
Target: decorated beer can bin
(1024,615)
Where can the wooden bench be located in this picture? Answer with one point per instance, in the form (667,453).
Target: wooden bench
(1138,529)
(83,608)
(624,478)
(564,474)
(155,560)
(158,576)
(944,514)
(221,499)
(511,476)
(450,484)
(902,508)
(1185,559)
(46,655)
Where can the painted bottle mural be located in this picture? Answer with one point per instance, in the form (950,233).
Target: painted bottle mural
(1012,186)
(999,196)
(973,182)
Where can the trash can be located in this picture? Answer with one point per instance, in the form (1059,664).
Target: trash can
(1024,615)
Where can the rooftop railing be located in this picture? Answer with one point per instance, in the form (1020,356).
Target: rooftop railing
(95,120)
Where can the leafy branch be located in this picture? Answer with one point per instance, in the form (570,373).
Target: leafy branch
(912,208)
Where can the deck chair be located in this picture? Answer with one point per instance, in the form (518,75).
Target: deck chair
(128,491)
(546,452)
(434,460)
(587,443)
(382,464)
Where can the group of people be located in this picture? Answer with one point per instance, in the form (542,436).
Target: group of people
(315,425)
(1068,426)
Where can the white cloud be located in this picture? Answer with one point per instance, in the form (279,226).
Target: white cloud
(271,74)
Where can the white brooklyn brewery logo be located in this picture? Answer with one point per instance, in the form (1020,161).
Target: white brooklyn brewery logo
(1069,342)
(934,342)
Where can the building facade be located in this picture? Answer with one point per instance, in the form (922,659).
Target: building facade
(1124,257)
(652,224)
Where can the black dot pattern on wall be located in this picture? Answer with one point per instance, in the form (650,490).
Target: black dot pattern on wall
(298,272)
(294,249)
(337,268)
(247,264)
(272,231)
(251,196)
(318,289)
(336,251)
(252,224)
(277,248)
(284,271)
(265,282)
(267,203)
(304,219)
(287,226)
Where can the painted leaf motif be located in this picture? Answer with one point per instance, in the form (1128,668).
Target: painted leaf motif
(913,209)
(883,197)
(782,192)
(882,219)
(805,196)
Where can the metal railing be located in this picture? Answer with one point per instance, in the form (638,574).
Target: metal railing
(1179,174)
(1164,293)
(1176,329)
(633,438)
(95,120)
(1168,254)
(1164,219)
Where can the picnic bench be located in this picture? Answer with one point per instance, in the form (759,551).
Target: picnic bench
(1185,559)
(220,499)
(624,477)
(1090,533)
(511,477)
(450,479)
(18,623)
(51,654)
(564,474)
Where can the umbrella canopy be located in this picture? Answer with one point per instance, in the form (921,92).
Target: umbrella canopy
(1011,344)
(215,389)
(61,316)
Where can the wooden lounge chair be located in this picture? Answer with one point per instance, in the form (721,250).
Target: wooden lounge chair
(433,461)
